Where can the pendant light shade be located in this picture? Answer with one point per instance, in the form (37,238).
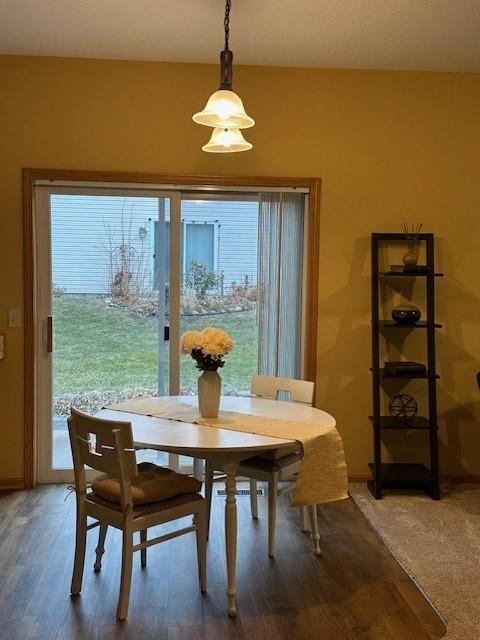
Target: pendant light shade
(224,109)
(226,141)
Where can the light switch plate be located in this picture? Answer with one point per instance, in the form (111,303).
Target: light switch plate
(14,318)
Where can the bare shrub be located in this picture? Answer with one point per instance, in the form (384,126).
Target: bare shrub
(129,260)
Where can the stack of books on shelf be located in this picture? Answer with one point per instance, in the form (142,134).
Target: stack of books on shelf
(408,268)
(404,368)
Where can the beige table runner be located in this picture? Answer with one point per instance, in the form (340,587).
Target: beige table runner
(323,472)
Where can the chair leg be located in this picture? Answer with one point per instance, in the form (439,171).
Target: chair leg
(253,498)
(201,533)
(143,552)
(126,574)
(209,470)
(80,543)
(305,520)
(100,550)
(312,509)
(198,468)
(272,512)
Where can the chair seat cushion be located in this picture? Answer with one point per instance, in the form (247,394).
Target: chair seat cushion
(270,466)
(276,454)
(153,484)
(141,510)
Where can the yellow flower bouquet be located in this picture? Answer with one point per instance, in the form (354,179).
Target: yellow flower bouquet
(207,347)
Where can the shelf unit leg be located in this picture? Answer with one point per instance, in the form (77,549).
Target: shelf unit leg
(432,388)
(376,493)
(376,482)
(375,485)
(434,484)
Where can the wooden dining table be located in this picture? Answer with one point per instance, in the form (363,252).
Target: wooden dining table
(224,448)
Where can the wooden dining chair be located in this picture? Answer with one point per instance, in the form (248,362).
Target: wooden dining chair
(275,466)
(107,446)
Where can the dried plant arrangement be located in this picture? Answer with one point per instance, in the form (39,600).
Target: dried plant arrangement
(411,233)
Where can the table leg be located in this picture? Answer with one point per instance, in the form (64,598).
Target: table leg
(198,469)
(231,535)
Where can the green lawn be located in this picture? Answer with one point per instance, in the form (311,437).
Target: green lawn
(101,349)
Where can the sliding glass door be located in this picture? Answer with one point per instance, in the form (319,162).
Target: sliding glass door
(122,272)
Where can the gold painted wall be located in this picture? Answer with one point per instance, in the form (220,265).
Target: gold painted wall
(389,147)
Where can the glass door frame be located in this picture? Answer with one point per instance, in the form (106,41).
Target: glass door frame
(43,310)
(35,176)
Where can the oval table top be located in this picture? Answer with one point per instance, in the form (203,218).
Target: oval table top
(183,437)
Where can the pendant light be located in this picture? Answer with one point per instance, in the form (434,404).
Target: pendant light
(224,110)
(226,141)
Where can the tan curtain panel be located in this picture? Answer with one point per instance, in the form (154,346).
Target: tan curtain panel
(280,275)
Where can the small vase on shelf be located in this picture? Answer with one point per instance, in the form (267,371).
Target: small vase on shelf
(410,258)
(412,233)
(209,391)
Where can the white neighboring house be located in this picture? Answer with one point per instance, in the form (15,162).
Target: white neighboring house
(89,231)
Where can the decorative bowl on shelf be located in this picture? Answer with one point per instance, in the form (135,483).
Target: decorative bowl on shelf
(406,314)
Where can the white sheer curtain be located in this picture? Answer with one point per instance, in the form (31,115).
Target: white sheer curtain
(280,275)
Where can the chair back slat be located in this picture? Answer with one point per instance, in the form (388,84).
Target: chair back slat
(274,387)
(99,444)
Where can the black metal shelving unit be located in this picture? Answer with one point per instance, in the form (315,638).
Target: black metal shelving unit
(404,475)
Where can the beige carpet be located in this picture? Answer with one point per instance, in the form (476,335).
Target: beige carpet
(438,544)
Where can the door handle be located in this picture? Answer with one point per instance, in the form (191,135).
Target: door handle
(166,333)
(49,336)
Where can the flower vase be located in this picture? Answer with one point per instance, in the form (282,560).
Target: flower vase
(410,258)
(209,389)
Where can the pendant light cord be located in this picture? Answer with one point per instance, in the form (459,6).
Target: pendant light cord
(226,22)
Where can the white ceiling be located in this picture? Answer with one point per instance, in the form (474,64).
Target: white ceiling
(437,35)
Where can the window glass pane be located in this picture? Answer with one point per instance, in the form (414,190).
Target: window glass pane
(107,317)
(221,238)
(199,245)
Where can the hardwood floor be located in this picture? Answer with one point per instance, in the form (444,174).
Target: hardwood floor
(354,591)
